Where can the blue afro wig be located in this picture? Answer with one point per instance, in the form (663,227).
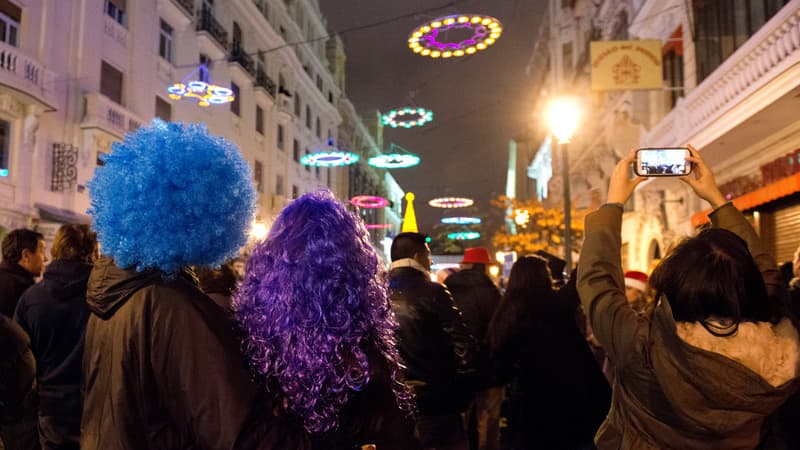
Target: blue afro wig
(172,195)
(314,306)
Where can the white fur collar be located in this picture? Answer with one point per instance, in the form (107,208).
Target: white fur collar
(772,351)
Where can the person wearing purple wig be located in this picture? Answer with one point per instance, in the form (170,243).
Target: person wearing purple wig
(319,329)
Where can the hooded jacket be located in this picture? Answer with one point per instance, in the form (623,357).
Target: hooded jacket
(476,297)
(676,385)
(17,370)
(54,314)
(162,370)
(14,280)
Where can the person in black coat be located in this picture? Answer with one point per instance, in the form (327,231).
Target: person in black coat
(17,371)
(434,342)
(558,396)
(54,314)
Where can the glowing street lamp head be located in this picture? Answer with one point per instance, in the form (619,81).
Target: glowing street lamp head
(563,115)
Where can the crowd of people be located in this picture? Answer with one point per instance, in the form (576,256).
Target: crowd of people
(142,335)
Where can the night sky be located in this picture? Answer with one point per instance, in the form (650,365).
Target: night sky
(479,102)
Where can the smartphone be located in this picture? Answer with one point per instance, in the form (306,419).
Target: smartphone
(662,162)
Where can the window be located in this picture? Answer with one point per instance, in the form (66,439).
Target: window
(330,97)
(296,151)
(10,17)
(259,120)
(319,128)
(116,10)
(258,175)
(566,59)
(282,84)
(280,137)
(295,191)
(236,42)
(5,131)
(165,41)
(316,171)
(111,82)
(208,5)
(297,105)
(235,105)
(308,117)
(328,170)
(319,83)
(308,168)
(279,190)
(163,109)
(673,67)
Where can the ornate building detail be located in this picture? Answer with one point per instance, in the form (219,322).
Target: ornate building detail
(65,170)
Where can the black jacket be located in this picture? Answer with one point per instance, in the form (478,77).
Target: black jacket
(476,297)
(435,344)
(54,314)
(162,370)
(14,280)
(17,369)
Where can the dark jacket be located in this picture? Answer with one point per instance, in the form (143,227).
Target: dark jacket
(476,297)
(162,370)
(54,314)
(433,341)
(17,370)
(669,393)
(14,280)
(558,396)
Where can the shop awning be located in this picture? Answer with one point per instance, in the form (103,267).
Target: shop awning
(59,215)
(766,194)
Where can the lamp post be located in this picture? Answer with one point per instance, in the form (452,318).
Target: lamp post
(562,115)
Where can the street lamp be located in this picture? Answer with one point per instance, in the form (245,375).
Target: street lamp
(563,115)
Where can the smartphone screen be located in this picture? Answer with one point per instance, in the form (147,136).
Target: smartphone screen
(662,162)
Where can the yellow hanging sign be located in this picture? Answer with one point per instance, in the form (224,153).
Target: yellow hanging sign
(626,65)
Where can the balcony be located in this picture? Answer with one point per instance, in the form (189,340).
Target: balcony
(179,13)
(26,75)
(243,63)
(212,35)
(265,83)
(101,112)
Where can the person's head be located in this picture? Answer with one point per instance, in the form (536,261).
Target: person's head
(74,242)
(529,273)
(714,275)
(635,286)
(476,259)
(316,311)
(171,195)
(220,280)
(25,248)
(411,245)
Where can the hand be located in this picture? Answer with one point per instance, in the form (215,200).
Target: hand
(702,180)
(622,185)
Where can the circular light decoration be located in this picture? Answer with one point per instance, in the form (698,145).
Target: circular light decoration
(451,202)
(379,226)
(461,220)
(407,117)
(394,161)
(329,159)
(429,39)
(369,201)
(464,236)
(203,92)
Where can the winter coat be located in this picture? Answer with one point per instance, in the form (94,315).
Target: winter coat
(14,280)
(558,396)
(54,314)
(17,370)
(433,341)
(162,370)
(677,386)
(476,297)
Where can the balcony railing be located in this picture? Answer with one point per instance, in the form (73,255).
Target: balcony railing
(206,22)
(186,5)
(103,113)
(25,74)
(265,82)
(239,56)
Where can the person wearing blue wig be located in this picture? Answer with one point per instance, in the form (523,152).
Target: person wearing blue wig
(320,330)
(162,367)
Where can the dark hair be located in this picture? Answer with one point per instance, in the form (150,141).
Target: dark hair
(17,241)
(406,245)
(714,275)
(217,281)
(74,242)
(529,273)
(787,272)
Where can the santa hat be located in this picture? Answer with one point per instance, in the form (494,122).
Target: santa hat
(635,279)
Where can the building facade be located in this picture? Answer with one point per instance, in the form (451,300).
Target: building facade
(730,73)
(76,76)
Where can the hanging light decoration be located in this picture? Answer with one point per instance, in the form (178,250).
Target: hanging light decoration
(407,117)
(464,236)
(379,226)
(451,202)
(461,220)
(369,201)
(333,157)
(397,158)
(203,92)
(429,39)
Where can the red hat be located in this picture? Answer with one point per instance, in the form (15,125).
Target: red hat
(476,255)
(635,279)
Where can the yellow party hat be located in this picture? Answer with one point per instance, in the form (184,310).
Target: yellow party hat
(410,219)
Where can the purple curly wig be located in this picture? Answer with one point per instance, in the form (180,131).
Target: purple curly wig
(312,302)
